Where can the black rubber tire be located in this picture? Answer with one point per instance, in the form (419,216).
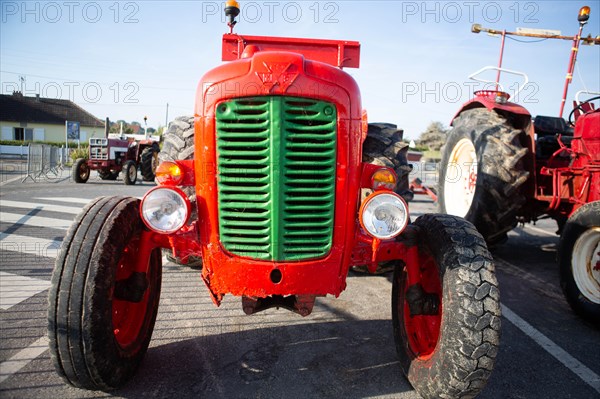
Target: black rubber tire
(178,145)
(464,355)
(80,172)
(384,146)
(501,171)
(129,173)
(83,346)
(108,174)
(584,219)
(149,162)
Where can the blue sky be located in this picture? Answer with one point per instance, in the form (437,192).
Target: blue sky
(128,59)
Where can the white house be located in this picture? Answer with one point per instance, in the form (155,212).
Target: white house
(43,119)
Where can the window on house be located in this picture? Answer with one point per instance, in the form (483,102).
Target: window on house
(22,134)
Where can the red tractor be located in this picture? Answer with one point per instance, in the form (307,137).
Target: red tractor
(278,219)
(111,156)
(500,167)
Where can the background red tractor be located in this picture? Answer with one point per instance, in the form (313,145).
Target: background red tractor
(283,206)
(111,156)
(500,167)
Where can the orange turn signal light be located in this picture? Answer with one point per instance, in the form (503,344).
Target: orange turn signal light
(169,174)
(383,179)
(584,14)
(232,3)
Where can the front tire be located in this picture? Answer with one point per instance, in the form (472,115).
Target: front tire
(482,173)
(579,262)
(449,351)
(101,313)
(129,173)
(80,171)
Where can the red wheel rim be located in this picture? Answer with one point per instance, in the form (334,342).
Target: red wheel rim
(423,331)
(128,317)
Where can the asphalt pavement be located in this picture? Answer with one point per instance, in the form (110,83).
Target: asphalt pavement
(344,349)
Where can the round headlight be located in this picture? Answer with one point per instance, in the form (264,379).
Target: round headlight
(165,209)
(384,215)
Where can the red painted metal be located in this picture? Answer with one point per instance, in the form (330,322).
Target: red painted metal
(278,73)
(577,182)
(487,99)
(571,68)
(423,331)
(500,59)
(128,317)
(339,53)
(302,68)
(417,187)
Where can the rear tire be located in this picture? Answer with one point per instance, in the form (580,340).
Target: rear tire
(482,174)
(149,162)
(451,353)
(129,173)
(80,171)
(384,146)
(97,341)
(108,174)
(178,145)
(579,261)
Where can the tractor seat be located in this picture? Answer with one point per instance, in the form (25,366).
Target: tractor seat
(551,126)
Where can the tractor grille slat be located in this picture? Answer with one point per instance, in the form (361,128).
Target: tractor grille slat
(276,177)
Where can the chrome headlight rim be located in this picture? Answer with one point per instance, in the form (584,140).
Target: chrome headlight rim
(182,196)
(376,195)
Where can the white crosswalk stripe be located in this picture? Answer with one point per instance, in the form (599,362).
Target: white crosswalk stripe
(15,289)
(44,207)
(71,200)
(37,221)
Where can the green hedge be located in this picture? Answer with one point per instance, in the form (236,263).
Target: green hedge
(27,142)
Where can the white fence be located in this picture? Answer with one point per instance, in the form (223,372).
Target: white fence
(20,150)
(43,160)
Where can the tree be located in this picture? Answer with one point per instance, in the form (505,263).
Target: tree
(433,137)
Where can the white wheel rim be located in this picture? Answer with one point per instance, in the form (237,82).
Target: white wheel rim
(585,264)
(461,178)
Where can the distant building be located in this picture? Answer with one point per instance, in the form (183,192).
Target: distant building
(43,119)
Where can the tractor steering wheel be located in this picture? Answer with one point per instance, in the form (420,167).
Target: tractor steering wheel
(580,107)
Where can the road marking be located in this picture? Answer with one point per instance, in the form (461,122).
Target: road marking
(15,289)
(72,200)
(583,372)
(29,245)
(37,221)
(23,358)
(45,207)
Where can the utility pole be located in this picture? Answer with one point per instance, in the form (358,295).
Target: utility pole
(167,117)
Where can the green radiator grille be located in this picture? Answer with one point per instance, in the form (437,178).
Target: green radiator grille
(276,177)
